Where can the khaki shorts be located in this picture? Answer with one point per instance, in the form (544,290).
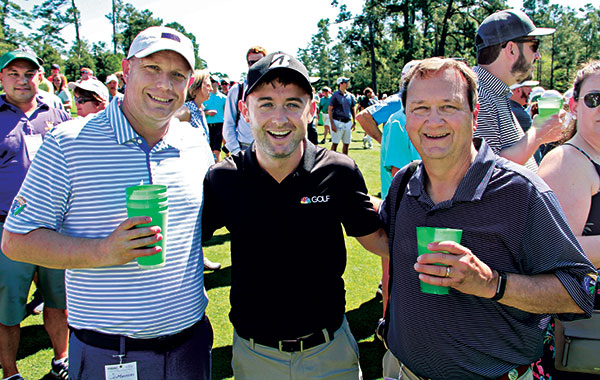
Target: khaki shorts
(15,281)
(343,133)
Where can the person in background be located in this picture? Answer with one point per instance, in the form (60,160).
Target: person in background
(112,83)
(572,170)
(216,102)
(62,91)
(224,87)
(324,111)
(91,96)
(342,115)
(55,70)
(86,73)
(45,84)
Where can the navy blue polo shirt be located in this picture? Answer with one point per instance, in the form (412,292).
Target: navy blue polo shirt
(342,106)
(512,221)
(287,245)
(14,160)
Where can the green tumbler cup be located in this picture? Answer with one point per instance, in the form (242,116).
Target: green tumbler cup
(150,201)
(426,235)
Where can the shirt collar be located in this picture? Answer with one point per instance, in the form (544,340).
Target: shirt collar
(490,82)
(4,104)
(473,184)
(124,132)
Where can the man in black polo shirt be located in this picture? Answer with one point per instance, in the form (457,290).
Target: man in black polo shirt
(287,291)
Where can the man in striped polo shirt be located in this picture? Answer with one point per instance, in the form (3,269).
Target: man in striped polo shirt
(507,49)
(514,265)
(126,322)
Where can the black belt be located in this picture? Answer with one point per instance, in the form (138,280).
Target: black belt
(298,344)
(214,124)
(112,342)
(342,120)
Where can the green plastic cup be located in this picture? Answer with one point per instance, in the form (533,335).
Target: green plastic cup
(150,201)
(426,235)
(549,104)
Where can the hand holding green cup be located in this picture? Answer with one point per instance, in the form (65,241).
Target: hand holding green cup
(550,103)
(426,235)
(150,201)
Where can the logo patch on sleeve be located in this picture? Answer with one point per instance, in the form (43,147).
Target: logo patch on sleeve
(589,282)
(18,205)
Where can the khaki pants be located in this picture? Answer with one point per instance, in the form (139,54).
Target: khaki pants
(336,359)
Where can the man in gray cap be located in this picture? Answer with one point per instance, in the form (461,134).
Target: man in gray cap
(287,312)
(507,48)
(125,322)
(24,120)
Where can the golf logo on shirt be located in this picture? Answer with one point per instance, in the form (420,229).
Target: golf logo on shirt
(18,205)
(589,282)
(315,199)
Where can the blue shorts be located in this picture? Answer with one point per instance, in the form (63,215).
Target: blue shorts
(15,282)
(190,360)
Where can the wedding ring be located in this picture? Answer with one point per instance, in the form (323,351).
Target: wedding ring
(448,271)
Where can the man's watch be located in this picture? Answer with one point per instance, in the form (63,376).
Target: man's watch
(501,286)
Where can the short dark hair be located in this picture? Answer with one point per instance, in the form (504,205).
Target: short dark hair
(489,54)
(434,65)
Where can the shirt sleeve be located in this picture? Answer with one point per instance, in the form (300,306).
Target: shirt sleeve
(549,246)
(359,218)
(229,132)
(382,111)
(43,198)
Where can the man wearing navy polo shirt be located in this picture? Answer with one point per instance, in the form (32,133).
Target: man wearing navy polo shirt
(287,291)
(126,322)
(517,263)
(24,120)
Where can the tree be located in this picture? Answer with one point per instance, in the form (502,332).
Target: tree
(10,39)
(105,62)
(131,22)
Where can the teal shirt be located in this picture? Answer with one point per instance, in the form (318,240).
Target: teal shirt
(396,149)
(324,104)
(215,102)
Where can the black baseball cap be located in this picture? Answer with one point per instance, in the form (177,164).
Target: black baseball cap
(267,68)
(505,26)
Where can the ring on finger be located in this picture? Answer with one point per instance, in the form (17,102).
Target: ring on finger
(447,271)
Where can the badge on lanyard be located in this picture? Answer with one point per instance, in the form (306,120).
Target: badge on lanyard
(123,371)
(33,143)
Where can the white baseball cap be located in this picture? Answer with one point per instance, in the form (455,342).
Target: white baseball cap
(110,78)
(527,83)
(157,38)
(92,85)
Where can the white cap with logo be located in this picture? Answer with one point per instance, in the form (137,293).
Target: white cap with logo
(157,38)
(92,85)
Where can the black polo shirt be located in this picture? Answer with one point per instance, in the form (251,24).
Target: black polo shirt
(287,244)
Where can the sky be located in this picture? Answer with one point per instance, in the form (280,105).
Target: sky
(225,29)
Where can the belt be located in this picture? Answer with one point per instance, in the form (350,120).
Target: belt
(342,120)
(3,218)
(112,342)
(295,345)
(513,374)
(214,124)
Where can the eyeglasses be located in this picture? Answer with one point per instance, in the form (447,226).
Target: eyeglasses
(79,100)
(592,100)
(250,62)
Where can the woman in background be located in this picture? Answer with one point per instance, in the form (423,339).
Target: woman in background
(572,170)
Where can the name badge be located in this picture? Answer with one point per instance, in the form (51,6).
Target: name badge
(124,371)
(33,143)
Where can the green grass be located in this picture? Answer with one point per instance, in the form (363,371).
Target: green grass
(362,275)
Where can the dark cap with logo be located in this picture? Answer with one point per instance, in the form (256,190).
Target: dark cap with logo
(22,53)
(507,25)
(271,65)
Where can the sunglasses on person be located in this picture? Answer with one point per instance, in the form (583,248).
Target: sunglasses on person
(592,100)
(79,100)
(534,41)
(252,62)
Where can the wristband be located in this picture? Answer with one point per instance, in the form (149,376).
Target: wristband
(501,286)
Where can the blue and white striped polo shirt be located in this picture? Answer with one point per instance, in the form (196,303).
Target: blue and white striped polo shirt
(495,122)
(76,186)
